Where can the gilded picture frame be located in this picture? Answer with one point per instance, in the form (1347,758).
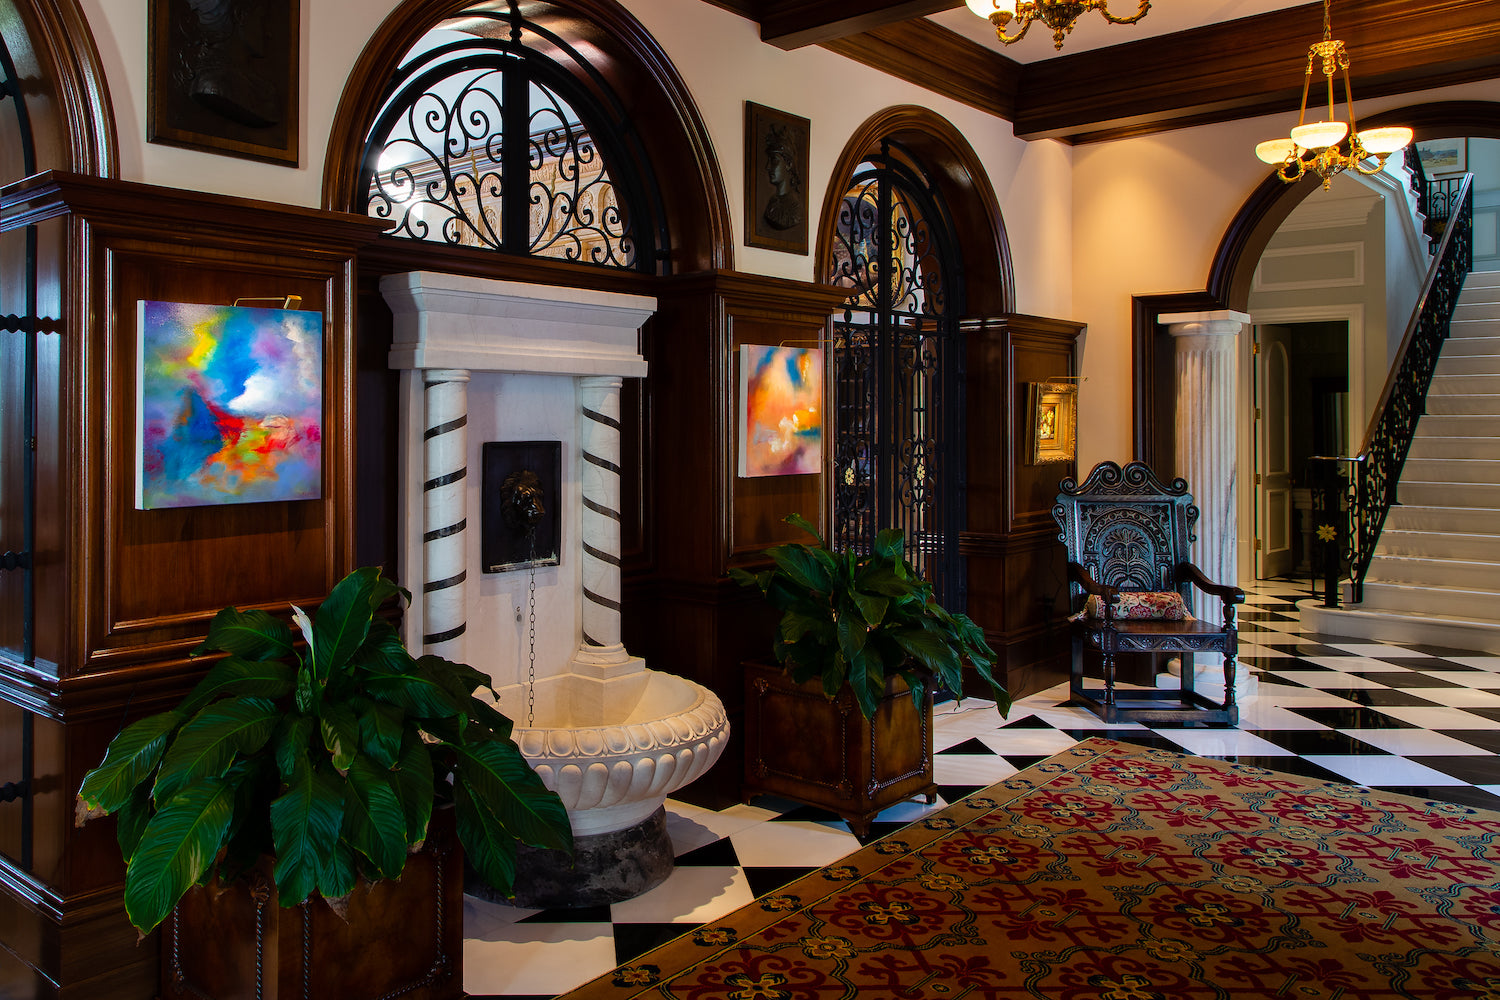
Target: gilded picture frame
(224,77)
(776,165)
(1052,426)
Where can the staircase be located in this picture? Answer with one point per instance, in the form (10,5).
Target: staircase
(1435,575)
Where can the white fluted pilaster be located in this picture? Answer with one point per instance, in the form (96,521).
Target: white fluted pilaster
(599,447)
(445,394)
(1207,439)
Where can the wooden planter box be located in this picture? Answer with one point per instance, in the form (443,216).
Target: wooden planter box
(403,938)
(804,747)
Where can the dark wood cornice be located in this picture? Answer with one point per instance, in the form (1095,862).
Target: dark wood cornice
(791,24)
(743,290)
(942,61)
(1253,66)
(73,119)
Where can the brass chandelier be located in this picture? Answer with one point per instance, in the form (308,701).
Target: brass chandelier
(1318,146)
(1058,15)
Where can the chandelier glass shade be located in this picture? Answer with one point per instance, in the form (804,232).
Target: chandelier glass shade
(1318,146)
(1058,15)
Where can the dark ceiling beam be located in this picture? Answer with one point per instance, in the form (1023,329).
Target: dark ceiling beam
(1254,66)
(792,24)
(942,61)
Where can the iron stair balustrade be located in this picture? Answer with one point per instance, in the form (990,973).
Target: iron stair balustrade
(1353,494)
(28,324)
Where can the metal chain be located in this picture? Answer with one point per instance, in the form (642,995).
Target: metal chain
(531,672)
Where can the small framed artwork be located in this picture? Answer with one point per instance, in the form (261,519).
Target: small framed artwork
(776,161)
(781,410)
(224,77)
(229,405)
(1444,156)
(1052,434)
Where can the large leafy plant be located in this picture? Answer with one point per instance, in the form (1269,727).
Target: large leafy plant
(862,618)
(328,755)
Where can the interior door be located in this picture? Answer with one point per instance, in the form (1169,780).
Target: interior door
(1274,515)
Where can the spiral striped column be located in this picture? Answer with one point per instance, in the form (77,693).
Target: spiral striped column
(599,445)
(445,511)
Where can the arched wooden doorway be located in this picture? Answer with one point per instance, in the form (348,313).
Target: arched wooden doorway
(910,228)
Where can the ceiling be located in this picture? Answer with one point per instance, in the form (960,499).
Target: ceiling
(1091,31)
(1187,62)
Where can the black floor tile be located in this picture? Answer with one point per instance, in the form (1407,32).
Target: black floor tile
(1484,739)
(1439,650)
(1493,714)
(1303,646)
(719,854)
(1381,697)
(1466,795)
(634,940)
(1136,737)
(1479,770)
(1404,679)
(807,814)
(969,748)
(1018,761)
(1030,722)
(1289,765)
(952,793)
(764,881)
(569,915)
(1319,741)
(1347,718)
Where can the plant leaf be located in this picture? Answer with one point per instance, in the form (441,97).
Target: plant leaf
(802,567)
(336,876)
(305,825)
(343,620)
(252,635)
(889,545)
(131,819)
(373,820)
(484,715)
(380,730)
(132,755)
(412,782)
(798,521)
(236,676)
(208,742)
(384,651)
(340,731)
(293,739)
(502,781)
(175,850)
(418,694)
(933,652)
(488,846)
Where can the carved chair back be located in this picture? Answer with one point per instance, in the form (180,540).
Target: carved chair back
(1127,529)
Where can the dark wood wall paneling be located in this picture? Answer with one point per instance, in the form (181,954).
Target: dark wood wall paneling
(1016,566)
(125,594)
(681,612)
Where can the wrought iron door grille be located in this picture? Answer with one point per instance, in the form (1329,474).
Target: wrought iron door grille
(572,184)
(898,370)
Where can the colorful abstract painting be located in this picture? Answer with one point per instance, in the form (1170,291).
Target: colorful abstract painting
(781,410)
(229,405)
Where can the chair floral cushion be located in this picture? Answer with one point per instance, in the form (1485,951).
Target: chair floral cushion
(1166,605)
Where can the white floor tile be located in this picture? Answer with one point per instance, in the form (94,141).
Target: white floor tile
(527,958)
(1376,771)
(1482,662)
(1261,714)
(1477,680)
(692,827)
(911,810)
(1412,742)
(771,845)
(970,769)
(1226,743)
(1440,718)
(692,894)
(1458,697)
(1028,742)
(1349,664)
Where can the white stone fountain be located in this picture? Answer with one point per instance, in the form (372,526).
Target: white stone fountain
(502,361)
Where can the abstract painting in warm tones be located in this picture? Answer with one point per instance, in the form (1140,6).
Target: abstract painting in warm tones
(229,405)
(781,410)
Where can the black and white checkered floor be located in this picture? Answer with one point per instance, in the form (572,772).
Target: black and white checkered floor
(1421,720)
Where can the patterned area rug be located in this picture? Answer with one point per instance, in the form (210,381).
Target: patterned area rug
(1116,872)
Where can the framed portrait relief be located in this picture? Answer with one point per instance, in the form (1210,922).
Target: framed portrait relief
(224,77)
(776,161)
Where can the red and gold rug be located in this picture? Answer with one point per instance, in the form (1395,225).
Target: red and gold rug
(1114,872)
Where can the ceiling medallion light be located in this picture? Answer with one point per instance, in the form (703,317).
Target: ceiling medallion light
(1055,14)
(1318,146)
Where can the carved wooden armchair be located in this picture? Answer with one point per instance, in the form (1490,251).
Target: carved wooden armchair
(1128,540)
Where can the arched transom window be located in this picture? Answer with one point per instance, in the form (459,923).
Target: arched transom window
(498,133)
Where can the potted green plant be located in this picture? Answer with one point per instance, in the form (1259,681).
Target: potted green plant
(325,757)
(860,629)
